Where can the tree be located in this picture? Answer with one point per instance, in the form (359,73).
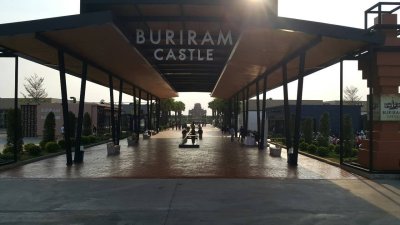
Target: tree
(87,124)
(180,107)
(72,124)
(308,130)
(324,130)
(35,92)
(14,129)
(49,128)
(348,135)
(351,96)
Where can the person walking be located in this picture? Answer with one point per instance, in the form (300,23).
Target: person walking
(232,132)
(200,131)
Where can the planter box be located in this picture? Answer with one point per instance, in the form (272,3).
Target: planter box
(275,152)
(112,149)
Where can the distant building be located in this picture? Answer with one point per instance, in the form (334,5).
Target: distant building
(310,109)
(34,115)
(197,114)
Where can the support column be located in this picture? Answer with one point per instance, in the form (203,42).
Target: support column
(298,110)
(111,85)
(151,112)
(134,111)
(121,86)
(78,157)
(243,109)
(341,113)
(258,110)
(287,115)
(64,97)
(158,114)
(139,113)
(236,114)
(148,112)
(17,120)
(247,109)
(263,116)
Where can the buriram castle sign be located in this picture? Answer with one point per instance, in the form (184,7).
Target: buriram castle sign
(387,107)
(183,45)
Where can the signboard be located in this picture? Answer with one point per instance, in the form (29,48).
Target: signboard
(387,107)
(183,45)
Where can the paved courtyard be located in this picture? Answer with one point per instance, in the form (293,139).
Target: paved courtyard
(219,183)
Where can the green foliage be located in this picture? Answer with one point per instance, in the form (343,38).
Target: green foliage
(49,128)
(8,149)
(72,124)
(61,143)
(308,130)
(85,140)
(303,146)
(324,130)
(323,141)
(32,149)
(52,147)
(332,148)
(323,151)
(42,144)
(87,125)
(354,152)
(7,156)
(348,148)
(312,149)
(337,149)
(348,136)
(14,129)
(93,139)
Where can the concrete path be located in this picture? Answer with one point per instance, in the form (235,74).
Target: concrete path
(260,189)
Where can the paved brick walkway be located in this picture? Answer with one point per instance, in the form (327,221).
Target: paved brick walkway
(160,157)
(312,193)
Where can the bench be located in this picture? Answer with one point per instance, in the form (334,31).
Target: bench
(190,136)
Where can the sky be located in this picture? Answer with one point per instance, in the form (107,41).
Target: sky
(321,85)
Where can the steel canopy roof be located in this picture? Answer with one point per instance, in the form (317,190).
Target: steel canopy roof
(107,40)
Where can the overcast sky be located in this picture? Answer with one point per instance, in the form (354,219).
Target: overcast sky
(321,85)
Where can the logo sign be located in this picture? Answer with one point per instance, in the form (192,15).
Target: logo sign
(388,106)
(183,45)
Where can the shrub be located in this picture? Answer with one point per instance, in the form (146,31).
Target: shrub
(312,149)
(61,143)
(87,124)
(8,149)
(49,128)
(32,149)
(332,148)
(52,147)
(323,141)
(7,156)
(14,129)
(337,149)
(354,152)
(85,140)
(308,130)
(92,139)
(323,151)
(42,144)
(303,146)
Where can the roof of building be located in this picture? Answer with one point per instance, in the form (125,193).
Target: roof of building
(105,36)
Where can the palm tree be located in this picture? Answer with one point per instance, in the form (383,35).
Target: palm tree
(166,107)
(180,107)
